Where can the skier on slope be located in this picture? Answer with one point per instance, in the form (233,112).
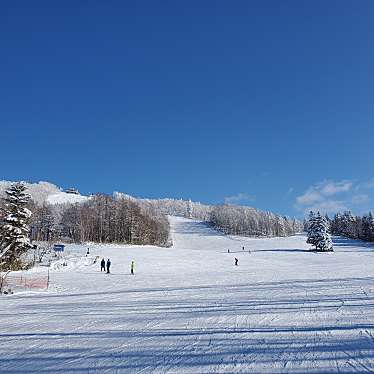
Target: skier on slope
(132,267)
(108,263)
(102,265)
(236,262)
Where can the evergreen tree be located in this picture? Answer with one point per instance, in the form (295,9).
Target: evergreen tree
(348,225)
(310,229)
(367,228)
(318,233)
(336,224)
(14,229)
(305,225)
(189,209)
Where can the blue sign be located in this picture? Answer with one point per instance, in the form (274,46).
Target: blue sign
(58,248)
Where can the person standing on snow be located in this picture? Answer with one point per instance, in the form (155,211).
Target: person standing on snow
(108,263)
(132,267)
(102,264)
(236,261)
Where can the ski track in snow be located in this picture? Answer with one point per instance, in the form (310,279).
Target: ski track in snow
(188,309)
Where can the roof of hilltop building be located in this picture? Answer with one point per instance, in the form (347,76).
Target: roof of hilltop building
(72,190)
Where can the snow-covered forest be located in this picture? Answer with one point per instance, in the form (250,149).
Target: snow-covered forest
(354,227)
(122,218)
(101,219)
(246,221)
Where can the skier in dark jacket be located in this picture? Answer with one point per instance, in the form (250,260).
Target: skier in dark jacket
(102,265)
(108,263)
(236,261)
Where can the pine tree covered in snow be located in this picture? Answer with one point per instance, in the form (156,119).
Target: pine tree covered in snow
(367,227)
(189,209)
(318,233)
(310,229)
(14,229)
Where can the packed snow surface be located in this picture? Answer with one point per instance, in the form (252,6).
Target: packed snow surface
(65,198)
(188,309)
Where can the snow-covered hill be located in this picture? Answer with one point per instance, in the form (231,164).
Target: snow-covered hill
(188,309)
(65,198)
(45,192)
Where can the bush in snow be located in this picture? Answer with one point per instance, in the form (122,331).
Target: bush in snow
(318,233)
(14,229)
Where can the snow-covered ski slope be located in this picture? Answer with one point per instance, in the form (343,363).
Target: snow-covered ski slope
(188,309)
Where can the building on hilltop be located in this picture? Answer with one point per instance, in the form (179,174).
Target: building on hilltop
(73,191)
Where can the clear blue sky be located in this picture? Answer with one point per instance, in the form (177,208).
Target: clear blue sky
(265,103)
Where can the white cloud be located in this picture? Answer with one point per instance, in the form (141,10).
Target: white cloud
(366,185)
(332,188)
(327,206)
(319,191)
(309,197)
(241,197)
(331,197)
(319,197)
(360,199)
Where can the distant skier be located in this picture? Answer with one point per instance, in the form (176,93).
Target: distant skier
(236,262)
(108,263)
(132,267)
(102,265)
(228,251)
(243,248)
(88,252)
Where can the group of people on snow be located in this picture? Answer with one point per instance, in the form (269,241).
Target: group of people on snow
(236,260)
(105,266)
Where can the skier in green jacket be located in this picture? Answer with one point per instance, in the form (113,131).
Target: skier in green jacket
(132,267)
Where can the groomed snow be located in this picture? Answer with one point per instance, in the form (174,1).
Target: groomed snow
(188,309)
(65,198)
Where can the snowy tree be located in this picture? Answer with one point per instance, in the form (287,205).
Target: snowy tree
(311,238)
(318,233)
(104,219)
(349,226)
(14,230)
(353,227)
(43,223)
(367,227)
(189,209)
(246,221)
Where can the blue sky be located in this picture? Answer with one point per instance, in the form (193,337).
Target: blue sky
(264,103)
